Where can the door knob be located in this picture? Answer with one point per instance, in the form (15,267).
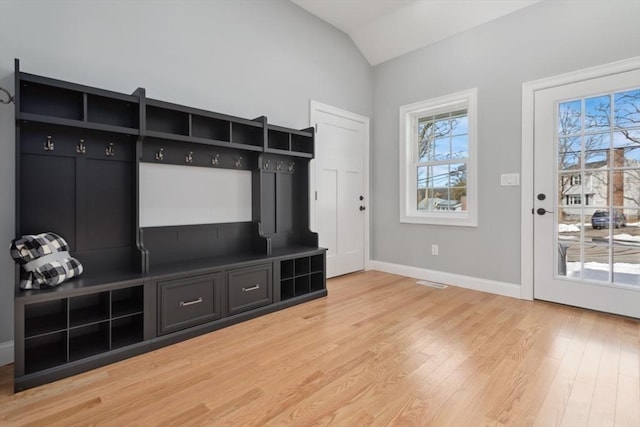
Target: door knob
(361,197)
(362,208)
(542,211)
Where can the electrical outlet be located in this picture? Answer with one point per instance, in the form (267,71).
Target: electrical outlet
(434,249)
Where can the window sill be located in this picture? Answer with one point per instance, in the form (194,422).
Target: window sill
(457,221)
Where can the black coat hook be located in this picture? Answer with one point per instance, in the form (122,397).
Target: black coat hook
(9,97)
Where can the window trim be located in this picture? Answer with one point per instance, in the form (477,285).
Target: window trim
(409,114)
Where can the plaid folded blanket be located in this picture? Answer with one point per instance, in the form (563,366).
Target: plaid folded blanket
(44,259)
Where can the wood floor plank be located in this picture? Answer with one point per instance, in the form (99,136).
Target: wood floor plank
(380,350)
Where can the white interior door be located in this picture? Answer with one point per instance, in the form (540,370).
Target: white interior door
(587,194)
(341,196)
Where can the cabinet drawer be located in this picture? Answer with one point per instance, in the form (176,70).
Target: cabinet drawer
(249,288)
(188,301)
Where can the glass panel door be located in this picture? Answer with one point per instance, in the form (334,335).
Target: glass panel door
(587,189)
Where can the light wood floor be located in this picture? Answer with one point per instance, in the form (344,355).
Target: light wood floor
(379,350)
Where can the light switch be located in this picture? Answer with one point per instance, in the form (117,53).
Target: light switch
(510,179)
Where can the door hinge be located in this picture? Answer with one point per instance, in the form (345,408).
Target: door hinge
(316,128)
(316,195)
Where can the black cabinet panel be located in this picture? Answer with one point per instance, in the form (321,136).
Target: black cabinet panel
(249,288)
(188,301)
(49,140)
(48,196)
(284,203)
(177,244)
(268,208)
(108,195)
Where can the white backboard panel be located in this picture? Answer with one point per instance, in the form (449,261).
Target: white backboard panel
(184,195)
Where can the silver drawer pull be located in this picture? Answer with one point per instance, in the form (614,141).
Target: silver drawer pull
(186,303)
(252,288)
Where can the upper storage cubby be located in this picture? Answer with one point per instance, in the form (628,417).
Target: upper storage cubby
(45,100)
(185,124)
(299,143)
(210,128)
(248,133)
(51,101)
(111,111)
(164,120)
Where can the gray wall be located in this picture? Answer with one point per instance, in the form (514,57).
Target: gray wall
(242,57)
(549,38)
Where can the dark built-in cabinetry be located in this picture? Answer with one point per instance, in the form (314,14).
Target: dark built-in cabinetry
(79,152)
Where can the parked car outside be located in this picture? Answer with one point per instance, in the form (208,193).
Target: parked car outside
(600,219)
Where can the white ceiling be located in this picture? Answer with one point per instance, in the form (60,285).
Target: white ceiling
(384,29)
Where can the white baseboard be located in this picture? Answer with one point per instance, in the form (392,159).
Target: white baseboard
(6,353)
(468,282)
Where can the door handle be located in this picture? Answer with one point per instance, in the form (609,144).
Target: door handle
(542,211)
(362,208)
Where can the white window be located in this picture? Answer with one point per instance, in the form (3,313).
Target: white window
(438,146)
(576,179)
(574,199)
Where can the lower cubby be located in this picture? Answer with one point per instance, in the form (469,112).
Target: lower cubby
(301,276)
(127,301)
(89,308)
(126,331)
(302,266)
(86,341)
(317,281)
(45,351)
(43,317)
(286,269)
(65,330)
(287,289)
(302,285)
